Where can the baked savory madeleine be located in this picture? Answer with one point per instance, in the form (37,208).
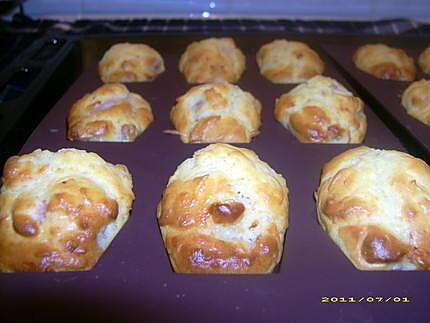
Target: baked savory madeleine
(217,112)
(385,62)
(283,61)
(126,62)
(375,205)
(212,60)
(416,100)
(322,110)
(224,211)
(59,211)
(110,113)
(424,60)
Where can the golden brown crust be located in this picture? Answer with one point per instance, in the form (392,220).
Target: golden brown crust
(199,253)
(283,61)
(110,113)
(424,60)
(322,111)
(218,112)
(126,62)
(224,211)
(416,100)
(375,205)
(60,211)
(385,62)
(212,60)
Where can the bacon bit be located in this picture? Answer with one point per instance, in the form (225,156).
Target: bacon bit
(41,210)
(103,106)
(227,50)
(172,132)
(226,212)
(156,67)
(197,105)
(128,131)
(255,133)
(126,65)
(334,86)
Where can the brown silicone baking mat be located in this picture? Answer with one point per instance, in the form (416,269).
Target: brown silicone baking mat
(133,281)
(386,92)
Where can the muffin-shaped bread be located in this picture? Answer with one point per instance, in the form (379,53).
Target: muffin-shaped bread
(217,112)
(416,100)
(283,61)
(60,211)
(424,60)
(375,205)
(212,60)
(126,62)
(110,113)
(322,111)
(224,211)
(385,62)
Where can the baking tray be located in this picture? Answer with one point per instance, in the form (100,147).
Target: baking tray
(133,281)
(386,93)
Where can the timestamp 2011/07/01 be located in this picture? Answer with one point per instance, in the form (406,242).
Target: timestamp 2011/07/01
(365,299)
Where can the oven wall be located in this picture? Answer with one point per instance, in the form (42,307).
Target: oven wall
(358,9)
